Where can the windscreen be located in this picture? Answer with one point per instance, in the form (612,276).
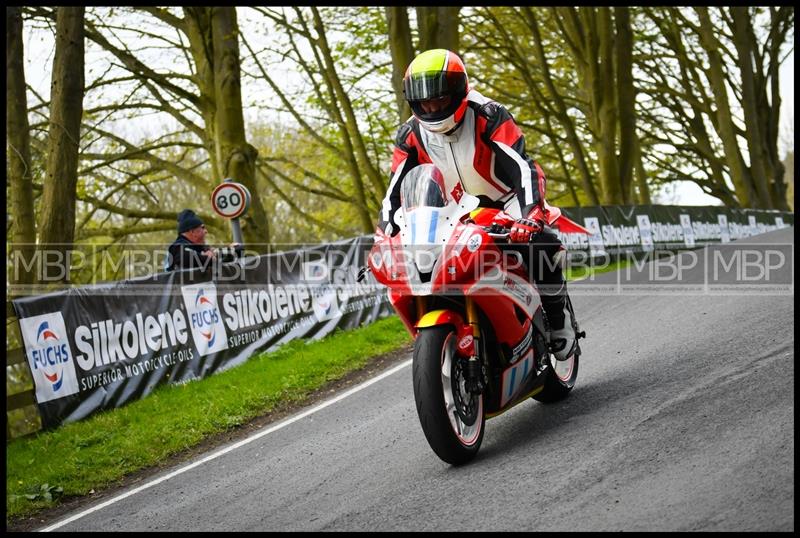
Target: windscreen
(423,186)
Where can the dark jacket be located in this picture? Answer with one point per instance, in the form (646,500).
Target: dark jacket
(183,254)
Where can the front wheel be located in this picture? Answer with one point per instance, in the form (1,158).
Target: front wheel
(451,418)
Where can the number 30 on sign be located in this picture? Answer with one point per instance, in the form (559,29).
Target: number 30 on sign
(230,199)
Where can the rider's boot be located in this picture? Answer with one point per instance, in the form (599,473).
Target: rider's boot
(562,337)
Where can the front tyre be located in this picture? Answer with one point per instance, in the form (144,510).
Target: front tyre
(451,418)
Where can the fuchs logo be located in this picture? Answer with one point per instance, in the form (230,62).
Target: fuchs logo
(199,301)
(315,271)
(205,320)
(49,356)
(325,302)
(52,352)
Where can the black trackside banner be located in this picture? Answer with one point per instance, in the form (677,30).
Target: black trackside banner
(617,229)
(98,347)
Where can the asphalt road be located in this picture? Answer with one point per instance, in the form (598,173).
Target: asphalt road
(682,419)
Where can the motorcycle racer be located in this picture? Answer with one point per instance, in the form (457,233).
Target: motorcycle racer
(479,148)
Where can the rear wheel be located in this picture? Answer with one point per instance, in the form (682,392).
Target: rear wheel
(451,418)
(561,375)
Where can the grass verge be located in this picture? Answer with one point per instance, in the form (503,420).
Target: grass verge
(585,271)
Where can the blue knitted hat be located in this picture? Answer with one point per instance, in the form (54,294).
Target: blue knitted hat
(187,220)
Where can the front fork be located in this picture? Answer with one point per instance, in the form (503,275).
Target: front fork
(467,344)
(472,372)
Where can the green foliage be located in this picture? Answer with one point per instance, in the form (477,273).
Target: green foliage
(44,492)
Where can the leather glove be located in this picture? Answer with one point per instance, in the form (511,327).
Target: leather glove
(524,230)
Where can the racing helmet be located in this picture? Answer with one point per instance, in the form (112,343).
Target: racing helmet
(435,86)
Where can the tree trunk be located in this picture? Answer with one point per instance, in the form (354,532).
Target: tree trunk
(761,173)
(566,121)
(438,28)
(699,102)
(641,175)
(237,158)
(57,210)
(23,223)
(744,189)
(605,105)
(353,137)
(626,100)
(589,34)
(779,20)
(402,53)
(198,31)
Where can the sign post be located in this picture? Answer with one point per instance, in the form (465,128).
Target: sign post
(231,200)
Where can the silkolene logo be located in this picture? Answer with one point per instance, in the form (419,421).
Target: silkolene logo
(205,320)
(49,356)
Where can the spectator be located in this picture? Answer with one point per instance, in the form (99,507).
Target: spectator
(189,250)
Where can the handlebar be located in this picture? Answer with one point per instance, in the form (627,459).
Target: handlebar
(498,235)
(496,231)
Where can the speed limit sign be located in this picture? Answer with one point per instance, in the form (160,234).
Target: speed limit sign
(230,199)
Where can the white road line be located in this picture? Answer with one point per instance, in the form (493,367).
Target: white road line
(229,448)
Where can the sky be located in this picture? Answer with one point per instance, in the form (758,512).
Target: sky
(39,50)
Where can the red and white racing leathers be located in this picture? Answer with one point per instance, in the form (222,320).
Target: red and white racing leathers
(486,153)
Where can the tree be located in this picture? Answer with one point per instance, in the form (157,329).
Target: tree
(761,99)
(57,211)
(601,46)
(203,73)
(329,114)
(712,80)
(213,35)
(19,167)
(559,109)
(535,78)
(402,50)
(235,158)
(438,28)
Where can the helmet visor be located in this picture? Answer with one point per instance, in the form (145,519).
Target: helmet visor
(430,85)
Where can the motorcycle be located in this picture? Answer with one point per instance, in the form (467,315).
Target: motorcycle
(480,344)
